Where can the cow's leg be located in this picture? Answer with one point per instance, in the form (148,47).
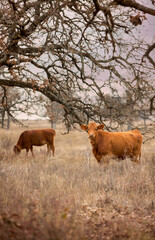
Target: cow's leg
(53,149)
(48,149)
(31,148)
(135,159)
(27,150)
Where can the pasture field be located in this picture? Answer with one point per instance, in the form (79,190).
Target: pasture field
(72,197)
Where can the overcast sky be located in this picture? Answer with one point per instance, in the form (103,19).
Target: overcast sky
(148,24)
(145,31)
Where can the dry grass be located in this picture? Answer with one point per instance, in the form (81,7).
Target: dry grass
(70,196)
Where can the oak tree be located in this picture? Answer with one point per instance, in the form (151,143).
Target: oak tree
(70,49)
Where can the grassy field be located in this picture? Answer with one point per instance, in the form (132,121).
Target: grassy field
(71,196)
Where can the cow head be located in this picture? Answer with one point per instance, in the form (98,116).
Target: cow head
(92,129)
(17,149)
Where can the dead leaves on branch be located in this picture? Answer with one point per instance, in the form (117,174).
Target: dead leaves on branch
(137,19)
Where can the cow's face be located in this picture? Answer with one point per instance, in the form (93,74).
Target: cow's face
(92,129)
(17,149)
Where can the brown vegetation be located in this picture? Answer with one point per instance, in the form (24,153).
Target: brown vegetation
(70,196)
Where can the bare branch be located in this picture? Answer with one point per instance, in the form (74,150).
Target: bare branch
(135,5)
(149,50)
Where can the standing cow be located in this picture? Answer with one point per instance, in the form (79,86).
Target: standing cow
(31,138)
(117,144)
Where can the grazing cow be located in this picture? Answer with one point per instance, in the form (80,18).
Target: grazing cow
(117,144)
(31,138)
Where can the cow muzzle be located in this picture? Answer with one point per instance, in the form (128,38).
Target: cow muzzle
(91,136)
(16,150)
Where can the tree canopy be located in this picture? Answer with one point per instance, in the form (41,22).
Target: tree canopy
(75,51)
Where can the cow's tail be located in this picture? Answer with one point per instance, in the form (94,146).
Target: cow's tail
(54,133)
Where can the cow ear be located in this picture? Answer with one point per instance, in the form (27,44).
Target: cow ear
(84,127)
(101,126)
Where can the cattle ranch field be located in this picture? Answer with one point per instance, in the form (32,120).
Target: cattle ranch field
(72,197)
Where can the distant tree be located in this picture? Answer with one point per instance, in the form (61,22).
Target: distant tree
(10,98)
(120,110)
(124,110)
(152,104)
(54,112)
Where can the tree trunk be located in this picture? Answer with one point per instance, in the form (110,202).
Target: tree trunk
(8,121)
(3,116)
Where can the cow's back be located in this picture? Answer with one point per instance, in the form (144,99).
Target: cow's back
(41,136)
(119,143)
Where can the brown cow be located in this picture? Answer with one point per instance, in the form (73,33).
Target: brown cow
(31,138)
(117,144)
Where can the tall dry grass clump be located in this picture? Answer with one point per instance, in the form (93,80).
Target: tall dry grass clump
(71,196)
